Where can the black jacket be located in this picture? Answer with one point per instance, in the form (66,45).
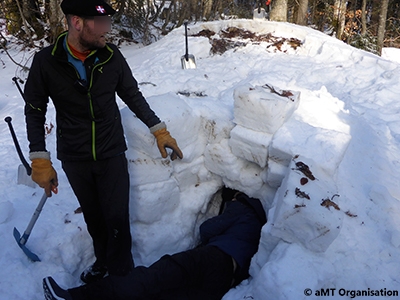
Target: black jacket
(88,120)
(236,232)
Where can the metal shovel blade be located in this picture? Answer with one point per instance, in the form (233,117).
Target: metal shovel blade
(21,243)
(188,62)
(24,178)
(259,14)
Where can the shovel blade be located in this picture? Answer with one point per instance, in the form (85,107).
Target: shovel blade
(189,63)
(24,178)
(259,14)
(21,243)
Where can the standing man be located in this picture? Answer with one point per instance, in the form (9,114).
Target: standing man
(81,74)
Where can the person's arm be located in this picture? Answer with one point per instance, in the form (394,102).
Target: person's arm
(129,92)
(36,99)
(218,224)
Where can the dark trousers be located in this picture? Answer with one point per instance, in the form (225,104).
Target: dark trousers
(203,273)
(102,189)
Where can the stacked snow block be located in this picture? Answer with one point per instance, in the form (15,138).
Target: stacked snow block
(166,194)
(305,210)
(259,112)
(331,144)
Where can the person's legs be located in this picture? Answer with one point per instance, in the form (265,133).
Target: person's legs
(141,284)
(83,183)
(113,186)
(213,279)
(102,189)
(198,274)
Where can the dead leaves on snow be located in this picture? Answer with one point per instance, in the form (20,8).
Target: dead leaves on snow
(233,38)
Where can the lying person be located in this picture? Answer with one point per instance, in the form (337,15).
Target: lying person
(221,261)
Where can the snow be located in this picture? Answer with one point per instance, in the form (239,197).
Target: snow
(343,125)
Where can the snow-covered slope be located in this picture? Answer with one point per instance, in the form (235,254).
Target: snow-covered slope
(336,116)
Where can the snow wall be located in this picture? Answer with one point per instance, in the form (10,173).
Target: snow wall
(260,148)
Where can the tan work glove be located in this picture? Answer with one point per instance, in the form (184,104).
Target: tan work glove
(165,140)
(44,174)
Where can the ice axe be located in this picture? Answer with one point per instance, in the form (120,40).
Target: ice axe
(24,170)
(188,61)
(21,240)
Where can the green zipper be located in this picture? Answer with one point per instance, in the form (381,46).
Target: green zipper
(91,105)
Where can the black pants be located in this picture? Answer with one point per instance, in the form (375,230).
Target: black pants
(102,189)
(203,273)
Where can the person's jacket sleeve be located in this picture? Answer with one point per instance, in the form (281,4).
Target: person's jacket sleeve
(36,100)
(129,92)
(217,225)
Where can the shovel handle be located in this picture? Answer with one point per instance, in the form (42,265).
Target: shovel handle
(14,137)
(186,42)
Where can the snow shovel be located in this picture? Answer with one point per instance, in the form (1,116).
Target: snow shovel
(188,61)
(259,13)
(21,241)
(24,170)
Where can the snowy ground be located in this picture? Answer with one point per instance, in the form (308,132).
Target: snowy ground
(323,157)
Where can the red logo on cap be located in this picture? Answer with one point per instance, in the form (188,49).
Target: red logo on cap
(100,9)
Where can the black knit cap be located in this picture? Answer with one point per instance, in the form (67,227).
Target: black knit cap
(89,8)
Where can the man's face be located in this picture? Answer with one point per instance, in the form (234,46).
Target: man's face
(93,34)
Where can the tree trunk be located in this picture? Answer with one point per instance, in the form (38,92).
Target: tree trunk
(364,18)
(382,24)
(31,13)
(279,10)
(13,17)
(301,13)
(56,17)
(339,17)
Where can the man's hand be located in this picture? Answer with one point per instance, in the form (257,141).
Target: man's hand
(165,140)
(44,175)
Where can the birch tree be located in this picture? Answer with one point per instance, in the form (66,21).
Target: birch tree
(382,24)
(279,10)
(301,12)
(339,17)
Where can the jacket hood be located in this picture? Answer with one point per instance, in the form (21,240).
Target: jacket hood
(255,204)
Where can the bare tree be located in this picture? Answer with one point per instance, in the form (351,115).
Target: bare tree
(55,17)
(382,24)
(339,17)
(364,17)
(279,10)
(301,12)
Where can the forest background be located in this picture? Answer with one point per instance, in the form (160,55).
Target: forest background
(366,24)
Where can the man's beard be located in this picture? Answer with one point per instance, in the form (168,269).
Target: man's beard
(91,44)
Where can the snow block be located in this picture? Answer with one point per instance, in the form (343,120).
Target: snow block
(221,161)
(275,174)
(150,202)
(191,174)
(305,208)
(250,145)
(144,169)
(264,108)
(179,117)
(298,138)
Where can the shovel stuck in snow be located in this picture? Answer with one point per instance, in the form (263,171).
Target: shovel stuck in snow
(24,170)
(259,12)
(188,61)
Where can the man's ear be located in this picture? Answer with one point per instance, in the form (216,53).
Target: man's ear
(77,23)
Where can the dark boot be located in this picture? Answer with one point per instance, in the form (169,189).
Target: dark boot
(52,291)
(94,273)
